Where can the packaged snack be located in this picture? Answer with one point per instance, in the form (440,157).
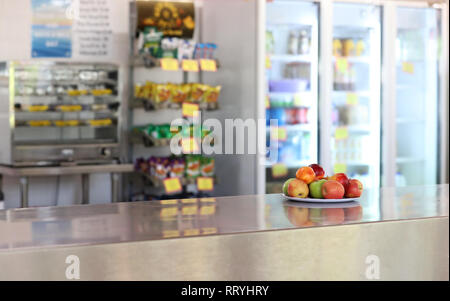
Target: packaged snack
(177,168)
(138,90)
(212,94)
(37,123)
(161,165)
(161,93)
(152,40)
(141,165)
(209,51)
(152,131)
(207,167)
(197,92)
(199,51)
(164,131)
(180,93)
(169,47)
(186,50)
(192,166)
(100,122)
(152,166)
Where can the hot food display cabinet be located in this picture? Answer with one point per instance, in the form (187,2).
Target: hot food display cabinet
(60,118)
(54,112)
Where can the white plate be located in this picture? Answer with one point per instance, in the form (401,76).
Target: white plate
(321,205)
(310,200)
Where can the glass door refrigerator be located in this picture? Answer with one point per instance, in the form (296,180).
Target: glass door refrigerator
(355,97)
(291,88)
(417,95)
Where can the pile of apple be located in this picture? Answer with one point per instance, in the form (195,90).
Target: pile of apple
(310,182)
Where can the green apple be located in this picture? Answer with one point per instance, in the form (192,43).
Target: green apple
(315,189)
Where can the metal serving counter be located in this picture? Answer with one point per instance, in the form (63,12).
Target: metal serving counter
(391,234)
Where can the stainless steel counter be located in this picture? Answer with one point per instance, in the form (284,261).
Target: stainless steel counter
(404,232)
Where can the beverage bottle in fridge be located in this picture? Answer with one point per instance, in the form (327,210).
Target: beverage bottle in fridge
(293,43)
(337,47)
(360,47)
(303,42)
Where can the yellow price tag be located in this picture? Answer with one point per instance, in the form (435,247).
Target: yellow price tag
(189,145)
(169,64)
(209,230)
(342,64)
(191,232)
(352,98)
(207,210)
(172,185)
(340,167)
(279,170)
(268,62)
(278,133)
(189,210)
(189,65)
(341,133)
(208,65)
(205,184)
(190,109)
(408,67)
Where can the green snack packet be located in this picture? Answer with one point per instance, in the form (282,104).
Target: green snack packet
(192,166)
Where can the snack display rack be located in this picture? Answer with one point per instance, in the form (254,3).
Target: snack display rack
(146,100)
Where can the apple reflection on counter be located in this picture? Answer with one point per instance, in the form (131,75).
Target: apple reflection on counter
(302,214)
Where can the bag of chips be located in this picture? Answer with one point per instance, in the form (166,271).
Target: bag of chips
(161,93)
(207,167)
(192,166)
(177,168)
(212,94)
(197,92)
(180,93)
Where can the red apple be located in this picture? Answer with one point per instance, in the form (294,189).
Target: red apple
(333,190)
(305,174)
(318,170)
(341,178)
(296,188)
(354,189)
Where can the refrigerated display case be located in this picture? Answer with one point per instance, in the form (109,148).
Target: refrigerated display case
(54,112)
(417,95)
(291,40)
(355,97)
(382,98)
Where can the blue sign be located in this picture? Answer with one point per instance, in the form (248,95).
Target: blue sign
(51,30)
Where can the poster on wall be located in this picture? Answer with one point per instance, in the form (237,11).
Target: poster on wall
(174,19)
(51,29)
(92,28)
